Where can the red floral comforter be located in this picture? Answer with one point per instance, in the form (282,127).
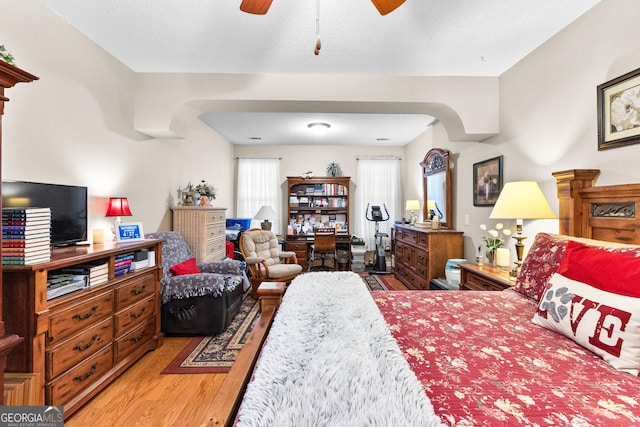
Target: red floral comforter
(484,363)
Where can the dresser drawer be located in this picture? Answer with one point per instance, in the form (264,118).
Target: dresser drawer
(134,315)
(215,249)
(79,347)
(136,290)
(134,339)
(214,231)
(63,389)
(477,283)
(216,216)
(72,319)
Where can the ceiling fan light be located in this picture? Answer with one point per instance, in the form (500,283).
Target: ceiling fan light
(319,128)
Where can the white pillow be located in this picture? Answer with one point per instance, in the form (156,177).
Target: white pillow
(608,324)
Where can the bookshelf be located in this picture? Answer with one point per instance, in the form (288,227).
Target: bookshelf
(316,200)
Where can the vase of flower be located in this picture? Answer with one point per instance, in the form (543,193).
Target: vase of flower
(491,257)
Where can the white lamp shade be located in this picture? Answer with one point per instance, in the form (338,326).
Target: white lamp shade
(412,205)
(522,200)
(265,212)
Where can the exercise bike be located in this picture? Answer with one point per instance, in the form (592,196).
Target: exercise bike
(379,258)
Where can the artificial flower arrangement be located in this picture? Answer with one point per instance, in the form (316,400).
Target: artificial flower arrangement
(493,239)
(205,189)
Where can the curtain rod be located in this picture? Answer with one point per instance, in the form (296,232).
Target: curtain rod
(382,157)
(265,158)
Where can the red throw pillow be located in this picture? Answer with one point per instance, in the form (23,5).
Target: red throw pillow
(186,267)
(605,269)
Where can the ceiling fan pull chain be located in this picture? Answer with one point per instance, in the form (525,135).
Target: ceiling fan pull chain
(318,44)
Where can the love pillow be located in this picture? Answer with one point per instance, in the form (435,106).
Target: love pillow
(186,267)
(605,323)
(606,269)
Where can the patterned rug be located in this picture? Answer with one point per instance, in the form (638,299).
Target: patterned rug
(216,354)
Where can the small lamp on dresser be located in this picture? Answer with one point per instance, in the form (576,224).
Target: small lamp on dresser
(521,200)
(118,206)
(412,205)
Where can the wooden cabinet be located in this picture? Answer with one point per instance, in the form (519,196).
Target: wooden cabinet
(9,77)
(203,228)
(484,277)
(81,341)
(421,254)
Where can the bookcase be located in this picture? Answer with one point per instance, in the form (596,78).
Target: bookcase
(81,341)
(9,77)
(323,199)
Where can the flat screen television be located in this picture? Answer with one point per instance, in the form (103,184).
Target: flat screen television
(68,205)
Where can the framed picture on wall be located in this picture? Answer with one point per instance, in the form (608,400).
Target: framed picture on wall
(487,181)
(619,111)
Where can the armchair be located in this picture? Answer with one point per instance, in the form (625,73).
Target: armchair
(265,261)
(197,301)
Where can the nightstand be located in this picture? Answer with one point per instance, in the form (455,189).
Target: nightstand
(484,278)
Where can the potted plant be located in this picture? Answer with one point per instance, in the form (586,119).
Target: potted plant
(6,56)
(333,169)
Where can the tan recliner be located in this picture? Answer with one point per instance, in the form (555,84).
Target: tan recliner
(265,261)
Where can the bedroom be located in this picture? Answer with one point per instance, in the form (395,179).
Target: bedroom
(74,125)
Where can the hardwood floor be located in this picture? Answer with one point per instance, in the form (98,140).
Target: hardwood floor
(142,396)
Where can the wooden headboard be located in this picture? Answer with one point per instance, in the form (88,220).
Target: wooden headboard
(610,213)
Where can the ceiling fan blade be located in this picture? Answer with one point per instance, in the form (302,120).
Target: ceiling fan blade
(386,6)
(257,7)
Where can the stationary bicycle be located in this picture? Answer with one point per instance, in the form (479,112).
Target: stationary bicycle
(379,258)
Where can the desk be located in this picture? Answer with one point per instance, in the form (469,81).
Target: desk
(301,245)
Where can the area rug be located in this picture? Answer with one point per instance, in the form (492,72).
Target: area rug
(375,282)
(216,354)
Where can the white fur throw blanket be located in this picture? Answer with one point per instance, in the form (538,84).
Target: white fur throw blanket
(330,360)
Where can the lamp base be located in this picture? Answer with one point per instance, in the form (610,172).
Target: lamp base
(266,225)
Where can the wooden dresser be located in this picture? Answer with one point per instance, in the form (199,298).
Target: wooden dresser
(421,254)
(203,228)
(80,342)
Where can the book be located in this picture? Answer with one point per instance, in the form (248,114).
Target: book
(23,261)
(27,227)
(18,222)
(25,210)
(27,252)
(26,243)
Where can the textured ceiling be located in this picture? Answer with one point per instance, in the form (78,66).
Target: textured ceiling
(420,38)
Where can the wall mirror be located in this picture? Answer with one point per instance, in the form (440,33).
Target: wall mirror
(436,187)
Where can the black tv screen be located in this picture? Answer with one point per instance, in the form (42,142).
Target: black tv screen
(68,205)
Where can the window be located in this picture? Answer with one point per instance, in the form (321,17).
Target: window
(378,184)
(259,185)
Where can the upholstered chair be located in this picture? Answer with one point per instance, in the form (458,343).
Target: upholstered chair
(197,298)
(265,261)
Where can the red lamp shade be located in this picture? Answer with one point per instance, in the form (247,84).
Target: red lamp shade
(118,206)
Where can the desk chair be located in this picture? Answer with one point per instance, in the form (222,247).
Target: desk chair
(324,244)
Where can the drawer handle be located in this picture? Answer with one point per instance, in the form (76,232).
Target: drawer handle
(80,347)
(88,374)
(86,316)
(136,315)
(138,291)
(136,339)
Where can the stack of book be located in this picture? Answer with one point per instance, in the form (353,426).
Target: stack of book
(122,264)
(96,273)
(26,235)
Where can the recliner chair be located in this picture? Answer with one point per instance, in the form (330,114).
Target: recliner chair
(202,303)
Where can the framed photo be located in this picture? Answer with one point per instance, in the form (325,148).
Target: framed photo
(619,111)
(129,232)
(487,181)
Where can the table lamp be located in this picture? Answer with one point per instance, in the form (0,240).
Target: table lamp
(521,200)
(412,205)
(265,213)
(118,206)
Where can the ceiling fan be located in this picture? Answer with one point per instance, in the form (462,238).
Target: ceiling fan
(260,7)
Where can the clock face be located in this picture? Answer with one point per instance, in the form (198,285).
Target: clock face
(128,232)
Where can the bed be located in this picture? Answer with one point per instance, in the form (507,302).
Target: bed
(464,357)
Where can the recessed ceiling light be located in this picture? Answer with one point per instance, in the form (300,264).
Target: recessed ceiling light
(382,139)
(255,138)
(319,128)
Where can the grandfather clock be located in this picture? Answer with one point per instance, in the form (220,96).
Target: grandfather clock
(9,77)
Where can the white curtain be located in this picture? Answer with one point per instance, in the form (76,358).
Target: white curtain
(378,184)
(259,185)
